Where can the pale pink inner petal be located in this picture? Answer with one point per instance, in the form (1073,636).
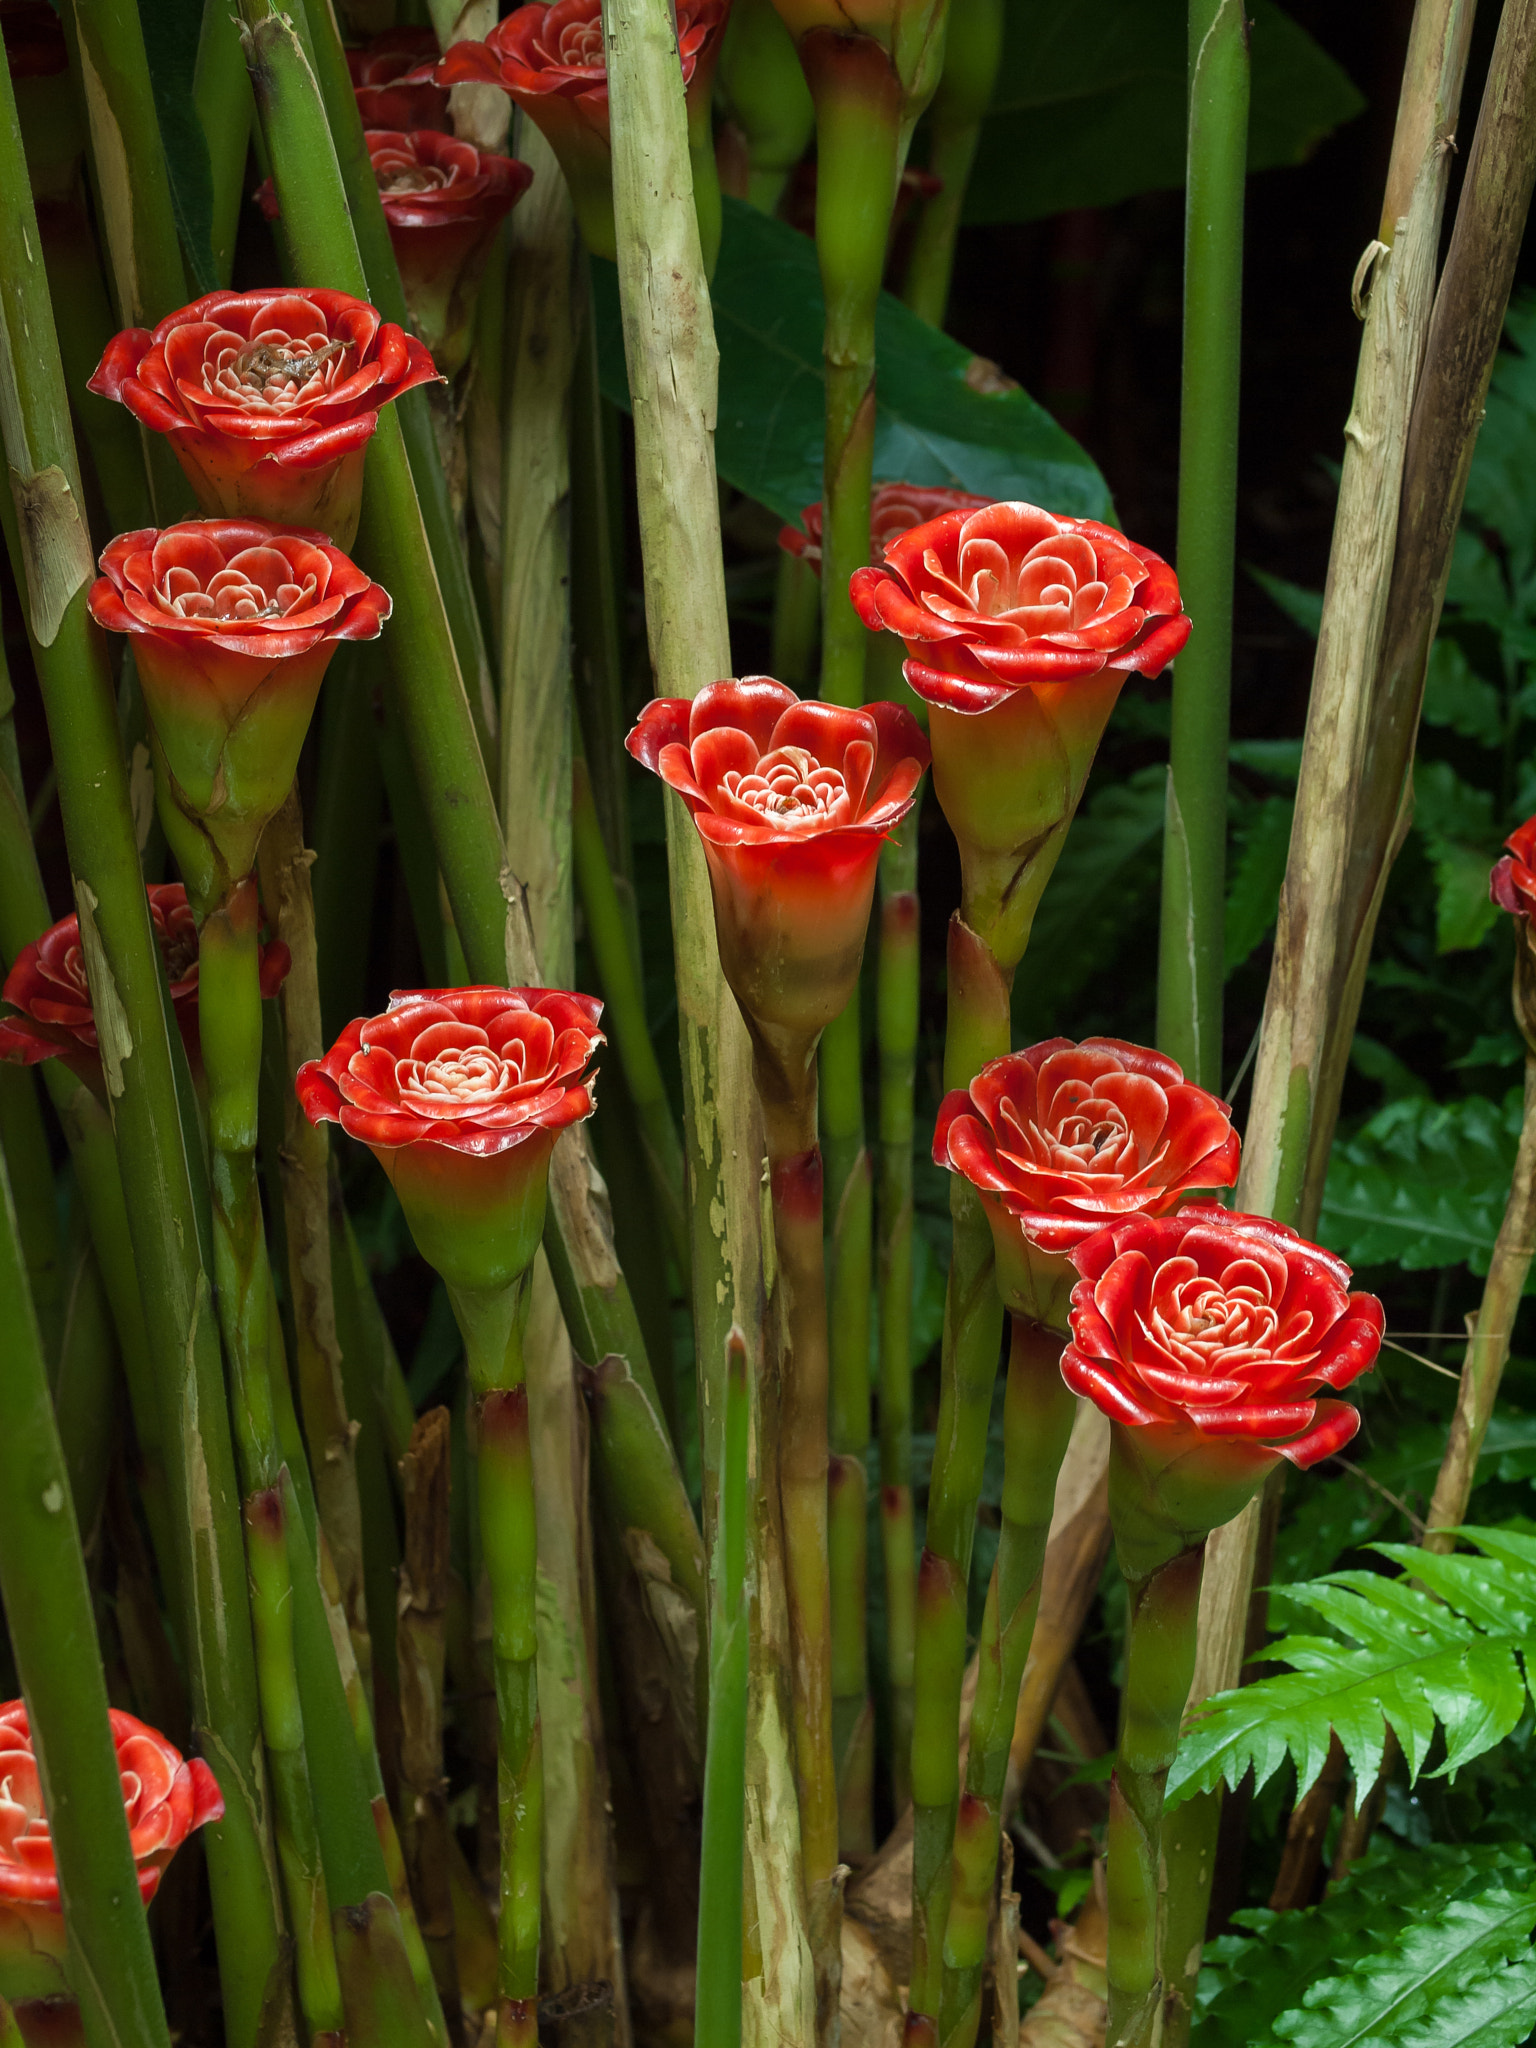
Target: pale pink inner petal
(792,791)
(273,372)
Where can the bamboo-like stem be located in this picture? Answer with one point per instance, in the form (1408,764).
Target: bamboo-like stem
(1038,1415)
(1191,971)
(221,93)
(973,49)
(1159,1663)
(598,663)
(717,2011)
(85,1389)
(672,362)
(425,1835)
(53,1636)
(123,965)
(764,88)
(796,621)
(371,1345)
(304,1160)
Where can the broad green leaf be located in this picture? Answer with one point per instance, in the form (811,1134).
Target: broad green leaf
(1423,1184)
(1456,697)
(1280,760)
(1090,98)
(1249,1976)
(1263,843)
(932,426)
(1379,1063)
(1446,1647)
(171,29)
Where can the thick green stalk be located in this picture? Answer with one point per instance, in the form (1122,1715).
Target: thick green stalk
(53,1635)
(973,1317)
(124,967)
(765,92)
(796,621)
(85,1393)
(24,1145)
(493,1323)
(1190,967)
(973,49)
(897,996)
(221,92)
(372,1342)
(717,2007)
(1159,1663)
(1038,1414)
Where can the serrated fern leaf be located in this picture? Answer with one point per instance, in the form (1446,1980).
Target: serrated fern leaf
(1422,1985)
(1453,1653)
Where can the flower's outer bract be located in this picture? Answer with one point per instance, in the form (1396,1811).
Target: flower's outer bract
(166,1797)
(893,509)
(1512,885)
(1061,1139)
(233,624)
(550,60)
(269,398)
(460,1094)
(793,801)
(51,1000)
(387,96)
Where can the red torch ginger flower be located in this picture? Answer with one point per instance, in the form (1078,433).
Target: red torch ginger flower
(1062,1139)
(269,398)
(550,60)
(893,509)
(460,1095)
(387,80)
(793,802)
(1212,1341)
(233,625)
(166,1797)
(48,991)
(1512,885)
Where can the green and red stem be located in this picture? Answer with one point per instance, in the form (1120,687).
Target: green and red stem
(1160,1664)
(1038,1413)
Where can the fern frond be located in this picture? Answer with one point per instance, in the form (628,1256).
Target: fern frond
(1449,1644)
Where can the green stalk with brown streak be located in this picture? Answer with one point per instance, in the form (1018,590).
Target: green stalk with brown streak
(973,49)
(53,1635)
(124,967)
(1038,1413)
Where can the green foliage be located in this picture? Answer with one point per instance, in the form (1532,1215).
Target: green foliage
(1261,844)
(932,426)
(1444,1647)
(171,29)
(1423,1184)
(1089,104)
(1430,1948)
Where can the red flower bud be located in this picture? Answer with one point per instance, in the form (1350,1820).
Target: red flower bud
(1211,1340)
(550,60)
(892,510)
(1021,628)
(1062,1139)
(793,802)
(166,1797)
(388,94)
(47,988)
(269,398)
(233,625)
(460,1095)
(1512,885)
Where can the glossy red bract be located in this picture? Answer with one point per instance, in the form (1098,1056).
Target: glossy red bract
(269,398)
(387,95)
(1512,885)
(1230,1323)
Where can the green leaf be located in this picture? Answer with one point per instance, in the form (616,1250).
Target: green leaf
(171,30)
(1253,892)
(1249,1977)
(1498,488)
(1457,823)
(1302,607)
(1280,760)
(1422,1184)
(931,425)
(1455,697)
(1089,104)
(1447,1645)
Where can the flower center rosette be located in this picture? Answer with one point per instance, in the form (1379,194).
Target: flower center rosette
(1021,627)
(792,801)
(166,1797)
(268,398)
(1062,1139)
(50,998)
(550,61)
(233,623)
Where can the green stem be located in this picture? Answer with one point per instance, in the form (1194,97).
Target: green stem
(1159,1664)
(1038,1414)
(221,92)
(764,89)
(973,1316)
(369,1346)
(973,49)
(1190,965)
(796,621)
(85,1383)
(24,1145)
(717,2005)
(125,968)
(53,1635)
(344,824)
(493,1324)
(897,996)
